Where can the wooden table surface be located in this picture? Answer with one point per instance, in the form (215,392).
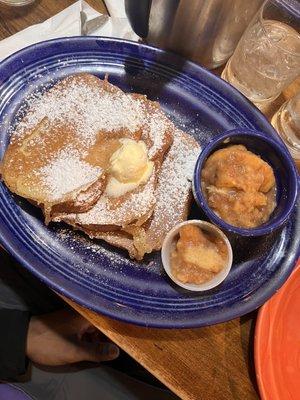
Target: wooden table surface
(213,363)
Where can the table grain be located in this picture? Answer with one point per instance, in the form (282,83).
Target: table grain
(212,363)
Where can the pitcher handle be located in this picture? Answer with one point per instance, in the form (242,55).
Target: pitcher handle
(138,12)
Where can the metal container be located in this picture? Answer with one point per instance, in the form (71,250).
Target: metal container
(205,31)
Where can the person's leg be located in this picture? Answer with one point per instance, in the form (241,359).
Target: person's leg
(21,296)
(20,290)
(101,383)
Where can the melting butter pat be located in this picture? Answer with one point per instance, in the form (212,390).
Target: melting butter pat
(129,168)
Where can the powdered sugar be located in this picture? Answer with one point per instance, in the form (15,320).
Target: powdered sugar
(67,173)
(92,247)
(174,185)
(177,171)
(87,108)
(97,252)
(135,206)
(158,125)
(170,198)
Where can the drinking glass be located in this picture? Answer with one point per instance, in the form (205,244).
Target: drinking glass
(267,58)
(287,123)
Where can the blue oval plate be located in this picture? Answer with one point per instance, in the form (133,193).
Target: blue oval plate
(101,277)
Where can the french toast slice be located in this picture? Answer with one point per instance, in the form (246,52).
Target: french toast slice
(134,207)
(118,239)
(173,197)
(109,214)
(51,158)
(173,193)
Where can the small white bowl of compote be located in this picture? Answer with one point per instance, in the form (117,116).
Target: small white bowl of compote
(196,255)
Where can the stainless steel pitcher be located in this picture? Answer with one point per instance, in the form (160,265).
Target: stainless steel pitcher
(206,31)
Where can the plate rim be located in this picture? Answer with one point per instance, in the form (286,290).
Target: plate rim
(243,307)
(260,322)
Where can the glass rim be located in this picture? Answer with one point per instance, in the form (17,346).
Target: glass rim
(261,20)
(18,3)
